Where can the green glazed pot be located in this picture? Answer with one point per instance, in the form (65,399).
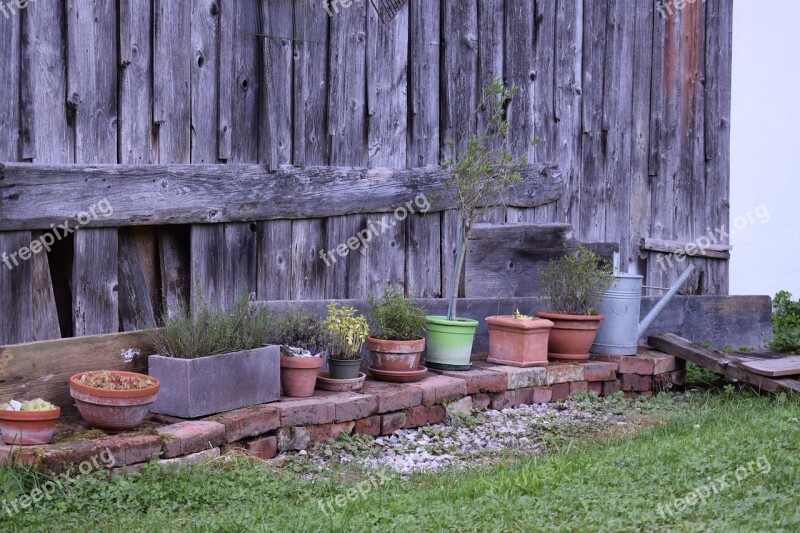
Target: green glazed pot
(343,369)
(450,342)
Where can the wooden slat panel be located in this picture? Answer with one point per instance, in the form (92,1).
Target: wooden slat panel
(274,274)
(544,96)
(135,305)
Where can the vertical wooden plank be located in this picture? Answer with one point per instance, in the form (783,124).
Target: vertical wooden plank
(310,144)
(567,108)
(92,97)
(640,201)
(718,65)
(520,58)
(423,242)
(274,237)
(138,252)
(616,124)
(348,135)
(544,97)
(387,104)
(458,94)
(46,138)
(593,193)
(172,63)
(226,27)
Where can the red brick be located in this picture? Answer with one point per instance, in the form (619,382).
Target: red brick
(438,389)
(542,394)
(369,426)
(524,396)
(517,378)
(564,373)
(576,387)
(391,396)
(349,405)
(596,387)
(423,415)
(263,447)
(478,379)
(248,422)
(124,449)
(628,364)
(662,362)
(599,371)
(635,382)
(305,411)
(611,387)
(560,391)
(480,401)
(28,455)
(391,422)
(323,432)
(190,437)
(503,400)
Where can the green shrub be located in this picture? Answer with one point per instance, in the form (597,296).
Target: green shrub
(575,283)
(785,323)
(202,330)
(299,328)
(395,317)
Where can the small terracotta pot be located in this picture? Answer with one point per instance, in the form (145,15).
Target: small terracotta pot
(113,410)
(26,428)
(395,356)
(571,336)
(299,375)
(521,343)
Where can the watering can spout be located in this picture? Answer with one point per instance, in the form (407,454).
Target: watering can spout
(662,303)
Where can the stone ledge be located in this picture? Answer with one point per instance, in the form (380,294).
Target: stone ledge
(517,378)
(185,438)
(479,379)
(248,422)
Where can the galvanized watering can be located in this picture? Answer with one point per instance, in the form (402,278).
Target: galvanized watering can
(620,331)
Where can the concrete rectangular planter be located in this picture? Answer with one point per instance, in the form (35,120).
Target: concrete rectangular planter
(199,387)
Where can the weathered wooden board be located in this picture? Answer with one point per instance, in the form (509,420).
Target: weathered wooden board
(713,251)
(180,194)
(503,260)
(723,364)
(785,366)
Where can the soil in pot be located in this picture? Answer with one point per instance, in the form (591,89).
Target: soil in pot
(571,336)
(450,342)
(521,343)
(343,368)
(27,428)
(119,407)
(395,356)
(299,375)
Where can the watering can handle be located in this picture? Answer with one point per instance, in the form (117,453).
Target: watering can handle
(662,303)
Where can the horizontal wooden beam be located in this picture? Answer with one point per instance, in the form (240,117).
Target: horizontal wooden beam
(36,196)
(691,249)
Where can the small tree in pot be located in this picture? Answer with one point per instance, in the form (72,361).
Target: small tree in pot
(479,177)
(303,338)
(348,332)
(575,285)
(398,325)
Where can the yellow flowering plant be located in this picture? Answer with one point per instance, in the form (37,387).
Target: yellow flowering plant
(348,332)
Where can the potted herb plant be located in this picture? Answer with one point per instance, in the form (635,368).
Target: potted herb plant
(479,177)
(397,341)
(518,340)
(348,332)
(28,423)
(211,360)
(113,400)
(575,284)
(303,339)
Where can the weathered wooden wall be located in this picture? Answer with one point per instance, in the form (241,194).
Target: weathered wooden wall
(632,106)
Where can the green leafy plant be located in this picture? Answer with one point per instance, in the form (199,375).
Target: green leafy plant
(481,173)
(785,323)
(396,317)
(520,316)
(348,332)
(202,330)
(299,328)
(106,380)
(575,283)
(37,405)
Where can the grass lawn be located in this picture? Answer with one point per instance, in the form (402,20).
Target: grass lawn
(723,461)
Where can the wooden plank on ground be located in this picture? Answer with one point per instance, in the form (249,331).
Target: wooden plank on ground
(717,362)
(42,369)
(786,366)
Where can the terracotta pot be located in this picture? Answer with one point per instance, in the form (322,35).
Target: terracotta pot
(395,356)
(299,375)
(113,410)
(571,336)
(515,342)
(26,428)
